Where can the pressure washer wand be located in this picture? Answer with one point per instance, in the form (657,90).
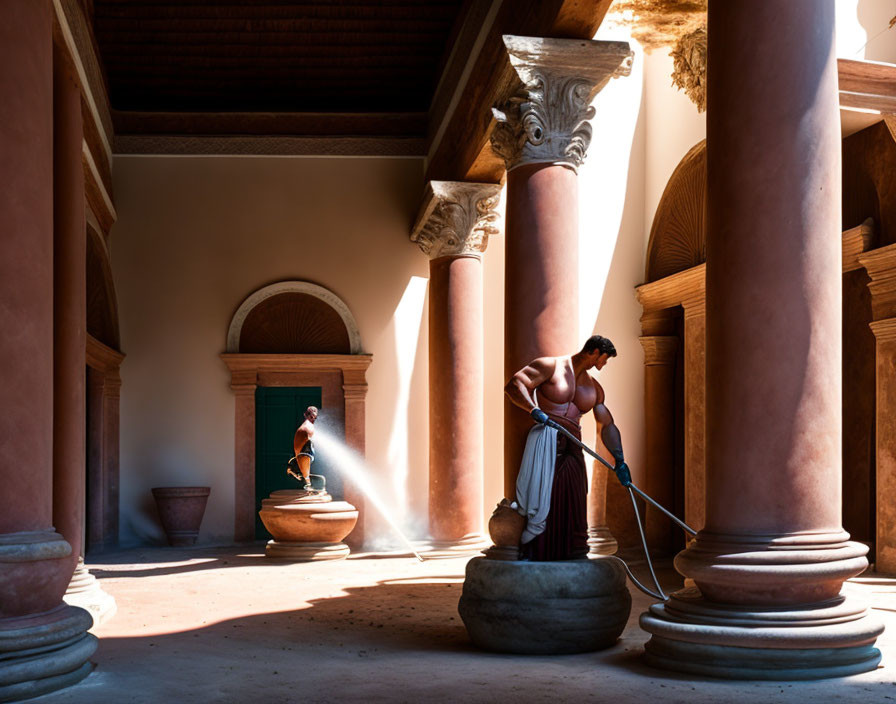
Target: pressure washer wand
(659,593)
(684,526)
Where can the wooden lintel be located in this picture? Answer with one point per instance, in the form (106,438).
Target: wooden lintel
(462,152)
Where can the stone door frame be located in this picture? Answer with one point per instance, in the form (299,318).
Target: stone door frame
(103,402)
(343,382)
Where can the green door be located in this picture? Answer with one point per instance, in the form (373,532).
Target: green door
(278,412)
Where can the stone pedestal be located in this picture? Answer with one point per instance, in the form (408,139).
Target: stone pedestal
(545,608)
(85,592)
(307,525)
(452,228)
(542,134)
(772,557)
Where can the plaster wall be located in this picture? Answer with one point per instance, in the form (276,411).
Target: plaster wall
(195,237)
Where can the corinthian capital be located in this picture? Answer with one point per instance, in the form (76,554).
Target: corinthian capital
(456,218)
(546,120)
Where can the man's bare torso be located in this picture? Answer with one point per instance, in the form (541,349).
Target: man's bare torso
(566,395)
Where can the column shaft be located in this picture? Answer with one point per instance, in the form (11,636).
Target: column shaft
(455,397)
(541,284)
(772,558)
(44,641)
(70,309)
(26,269)
(695,413)
(659,407)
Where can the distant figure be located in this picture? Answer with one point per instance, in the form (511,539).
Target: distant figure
(552,485)
(304,450)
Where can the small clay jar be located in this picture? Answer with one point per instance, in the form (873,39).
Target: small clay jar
(506,525)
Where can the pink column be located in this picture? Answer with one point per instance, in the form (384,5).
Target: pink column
(542,135)
(70,309)
(659,408)
(244,385)
(453,228)
(771,560)
(44,641)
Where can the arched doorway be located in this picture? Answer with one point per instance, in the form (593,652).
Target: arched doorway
(288,345)
(103,394)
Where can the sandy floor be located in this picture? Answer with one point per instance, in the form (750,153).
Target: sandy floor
(223,625)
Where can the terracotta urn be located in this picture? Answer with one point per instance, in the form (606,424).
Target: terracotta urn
(307,525)
(180,511)
(505,528)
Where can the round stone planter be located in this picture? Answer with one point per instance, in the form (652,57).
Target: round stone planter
(180,511)
(544,608)
(307,526)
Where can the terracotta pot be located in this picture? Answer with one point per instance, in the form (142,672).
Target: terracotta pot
(506,525)
(298,517)
(180,511)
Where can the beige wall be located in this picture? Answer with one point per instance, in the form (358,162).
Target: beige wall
(195,237)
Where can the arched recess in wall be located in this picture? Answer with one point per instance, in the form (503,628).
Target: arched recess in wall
(673,328)
(294,334)
(103,360)
(678,235)
(102,305)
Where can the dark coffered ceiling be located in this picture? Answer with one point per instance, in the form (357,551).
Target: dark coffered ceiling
(348,56)
(317,77)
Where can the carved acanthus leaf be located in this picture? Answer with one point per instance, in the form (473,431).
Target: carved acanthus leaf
(689,67)
(546,120)
(456,218)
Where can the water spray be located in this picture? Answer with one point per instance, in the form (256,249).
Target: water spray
(352,465)
(632,490)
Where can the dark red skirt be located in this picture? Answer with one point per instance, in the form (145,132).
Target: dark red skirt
(565,535)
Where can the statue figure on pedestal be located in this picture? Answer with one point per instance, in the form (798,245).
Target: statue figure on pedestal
(303,448)
(552,484)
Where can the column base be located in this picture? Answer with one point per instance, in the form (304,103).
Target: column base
(306,552)
(44,652)
(85,591)
(469,545)
(827,639)
(601,541)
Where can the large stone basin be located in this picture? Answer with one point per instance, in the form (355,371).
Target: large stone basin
(307,525)
(545,608)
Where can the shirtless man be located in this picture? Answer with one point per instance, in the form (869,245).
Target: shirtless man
(562,390)
(304,450)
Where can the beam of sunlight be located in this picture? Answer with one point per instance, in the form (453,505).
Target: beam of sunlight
(407,319)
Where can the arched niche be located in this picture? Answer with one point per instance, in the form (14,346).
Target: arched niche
(294,334)
(102,305)
(678,235)
(293,317)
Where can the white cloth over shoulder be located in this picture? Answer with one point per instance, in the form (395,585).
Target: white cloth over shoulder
(533,483)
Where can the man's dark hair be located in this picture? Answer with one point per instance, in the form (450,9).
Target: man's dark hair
(602,344)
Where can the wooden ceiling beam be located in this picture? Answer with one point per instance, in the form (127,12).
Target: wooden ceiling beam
(269,123)
(459,150)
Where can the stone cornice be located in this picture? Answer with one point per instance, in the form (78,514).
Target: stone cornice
(102,357)
(291,362)
(884,330)
(855,242)
(456,218)
(659,349)
(546,121)
(881,267)
(685,287)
